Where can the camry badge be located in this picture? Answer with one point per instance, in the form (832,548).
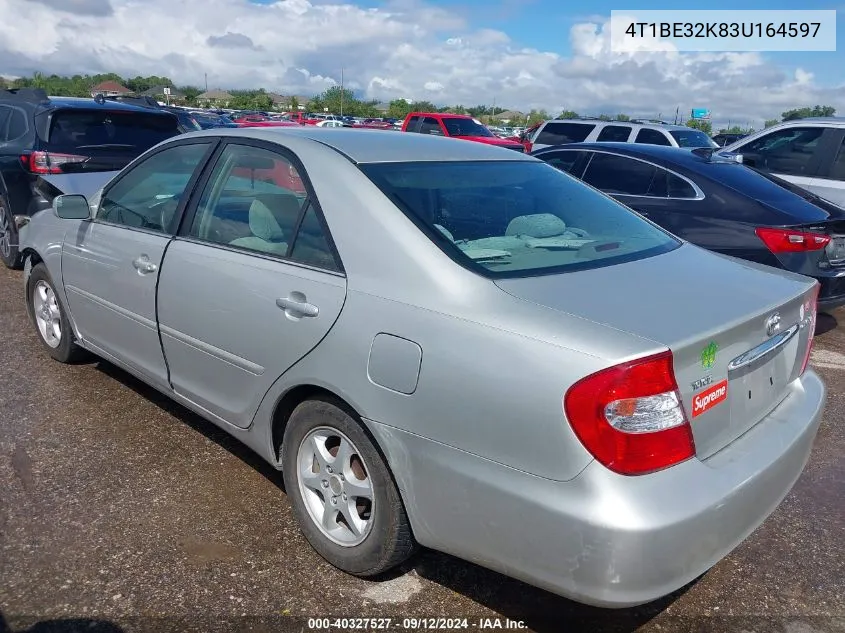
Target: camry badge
(773,324)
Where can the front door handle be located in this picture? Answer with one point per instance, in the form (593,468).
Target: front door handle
(296,306)
(143,265)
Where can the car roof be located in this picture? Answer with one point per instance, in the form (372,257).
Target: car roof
(84,103)
(380,146)
(636,124)
(677,156)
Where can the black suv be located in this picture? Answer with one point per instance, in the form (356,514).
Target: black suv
(43,136)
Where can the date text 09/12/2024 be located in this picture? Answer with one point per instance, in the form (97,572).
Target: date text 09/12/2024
(414,624)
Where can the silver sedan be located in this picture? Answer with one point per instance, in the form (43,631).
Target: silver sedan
(448,344)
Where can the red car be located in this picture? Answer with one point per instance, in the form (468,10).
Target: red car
(302,118)
(457,126)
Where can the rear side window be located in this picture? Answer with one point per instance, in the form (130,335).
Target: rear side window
(614,133)
(838,170)
(516,219)
(18,125)
(651,137)
(620,175)
(431,126)
(103,131)
(5,112)
(558,133)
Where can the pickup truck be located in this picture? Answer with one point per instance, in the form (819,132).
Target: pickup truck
(457,126)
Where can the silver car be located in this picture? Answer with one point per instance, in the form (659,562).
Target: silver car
(447,344)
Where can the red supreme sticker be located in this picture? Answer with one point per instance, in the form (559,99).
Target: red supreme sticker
(710,398)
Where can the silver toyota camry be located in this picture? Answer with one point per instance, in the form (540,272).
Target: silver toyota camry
(447,344)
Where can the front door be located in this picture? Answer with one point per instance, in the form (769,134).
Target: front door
(251,285)
(110,267)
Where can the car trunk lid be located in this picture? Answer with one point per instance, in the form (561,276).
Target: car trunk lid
(738,334)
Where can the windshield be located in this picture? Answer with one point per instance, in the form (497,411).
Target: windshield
(517,219)
(692,138)
(465,127)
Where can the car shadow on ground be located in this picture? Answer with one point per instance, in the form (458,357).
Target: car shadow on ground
(825,322)
(539,610)
(65,625)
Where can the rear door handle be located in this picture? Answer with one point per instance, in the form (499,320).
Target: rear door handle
(296,306)
(143,265)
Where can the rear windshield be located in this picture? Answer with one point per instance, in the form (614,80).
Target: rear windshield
(100,131)
(465,127)
(692,138)
(517,219)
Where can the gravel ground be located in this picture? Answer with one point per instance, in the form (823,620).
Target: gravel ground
(122,511)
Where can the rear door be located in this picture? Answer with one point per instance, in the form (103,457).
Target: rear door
(830,182)
(110,266)
(252,283)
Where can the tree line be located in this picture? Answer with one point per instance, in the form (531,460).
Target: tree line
(343,100)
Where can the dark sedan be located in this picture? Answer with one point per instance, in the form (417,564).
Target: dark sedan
(720,205)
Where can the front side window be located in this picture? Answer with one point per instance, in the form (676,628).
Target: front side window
(516,219)
(692,138)
(614,134)
(148,195)
(787,151)
(562,160)
(465,127)
(559,132)
(648,136)
(430,125)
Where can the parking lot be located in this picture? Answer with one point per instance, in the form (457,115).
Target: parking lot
(121,509)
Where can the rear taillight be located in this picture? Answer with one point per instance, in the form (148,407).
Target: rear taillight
(630,416)
(809,321)
(49,162)
(791,240)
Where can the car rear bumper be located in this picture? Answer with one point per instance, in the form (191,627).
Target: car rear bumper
(602,538)
(831,292)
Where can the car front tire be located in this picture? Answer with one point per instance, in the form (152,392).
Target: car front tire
(50,317)
(342,492)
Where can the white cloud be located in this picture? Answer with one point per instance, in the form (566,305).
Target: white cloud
(404,49)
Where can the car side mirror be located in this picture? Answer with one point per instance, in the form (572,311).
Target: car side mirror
(71,207)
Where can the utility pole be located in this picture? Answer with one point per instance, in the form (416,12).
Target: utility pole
(341,93)
(206,82)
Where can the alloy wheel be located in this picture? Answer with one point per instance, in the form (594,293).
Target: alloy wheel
(48,316)
(335,485)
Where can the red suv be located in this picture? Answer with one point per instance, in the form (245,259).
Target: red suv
(456,126)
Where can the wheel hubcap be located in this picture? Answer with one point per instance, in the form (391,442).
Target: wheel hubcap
(336,487)
(5,234)
(48,317)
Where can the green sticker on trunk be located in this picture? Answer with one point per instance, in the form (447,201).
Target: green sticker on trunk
(708,355)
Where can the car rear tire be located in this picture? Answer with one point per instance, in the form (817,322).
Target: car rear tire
(50,317)
(9,253)
(342,492)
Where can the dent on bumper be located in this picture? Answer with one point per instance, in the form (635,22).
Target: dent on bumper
(601,538)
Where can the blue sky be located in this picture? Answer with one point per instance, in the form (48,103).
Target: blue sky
(522,54)
(545,24)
